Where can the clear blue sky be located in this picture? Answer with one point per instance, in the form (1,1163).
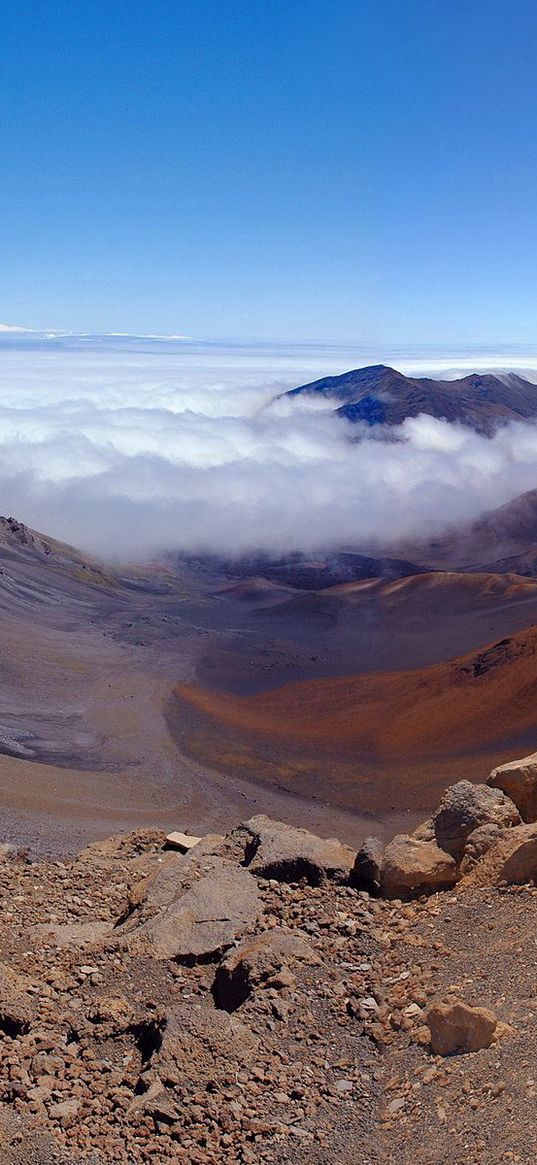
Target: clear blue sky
(322,169)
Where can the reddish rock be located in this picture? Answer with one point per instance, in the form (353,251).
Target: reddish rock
(512,859)
(412,867)
(518,779)
(263,960)
(457,1027)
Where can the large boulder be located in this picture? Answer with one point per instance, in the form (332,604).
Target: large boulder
(262,961)
(411,867)
(207,919)
(365,874)
(511,859)
(167,875)
(518,779)
(271,849)
(463,808)
(191,907)
(457,1027)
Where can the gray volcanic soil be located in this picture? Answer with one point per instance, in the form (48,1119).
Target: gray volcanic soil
(89,660)
(379,626)
(88,663)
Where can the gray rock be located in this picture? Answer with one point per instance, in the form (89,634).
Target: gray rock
(168,875)
(191,909)
(272,849)
(207,919)
(463,808)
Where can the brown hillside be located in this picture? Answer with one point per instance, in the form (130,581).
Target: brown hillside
(452,588)
(486,696)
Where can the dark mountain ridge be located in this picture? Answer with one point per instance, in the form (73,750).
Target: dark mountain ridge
(313,572)
(381,395)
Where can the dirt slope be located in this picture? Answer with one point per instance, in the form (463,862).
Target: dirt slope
(486,696)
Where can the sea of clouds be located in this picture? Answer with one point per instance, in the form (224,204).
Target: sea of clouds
(128,447)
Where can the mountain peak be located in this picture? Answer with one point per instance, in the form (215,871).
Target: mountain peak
(378,394)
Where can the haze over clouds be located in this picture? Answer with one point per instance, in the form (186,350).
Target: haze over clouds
(127,448)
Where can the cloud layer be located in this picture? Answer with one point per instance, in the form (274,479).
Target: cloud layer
(130,451)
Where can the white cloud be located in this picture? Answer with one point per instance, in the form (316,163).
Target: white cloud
(128,452)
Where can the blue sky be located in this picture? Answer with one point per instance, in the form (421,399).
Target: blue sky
(322,170)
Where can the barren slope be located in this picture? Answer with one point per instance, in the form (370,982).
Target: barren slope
(484,697)
(503,540)
(335,703)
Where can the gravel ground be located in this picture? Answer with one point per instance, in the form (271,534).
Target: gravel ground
(86,1027)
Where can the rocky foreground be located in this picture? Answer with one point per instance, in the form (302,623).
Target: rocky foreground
(270,996)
